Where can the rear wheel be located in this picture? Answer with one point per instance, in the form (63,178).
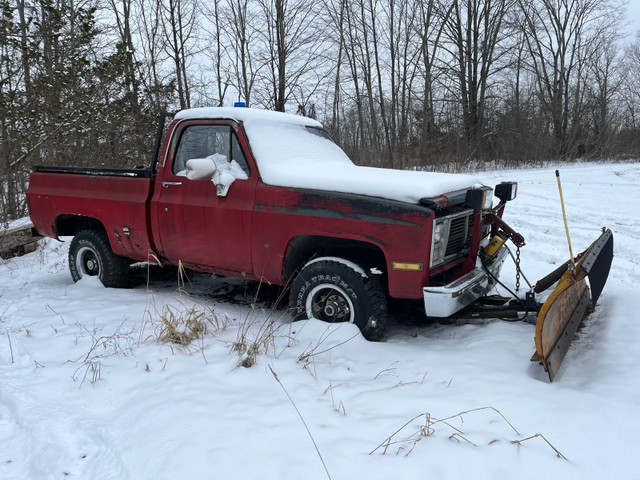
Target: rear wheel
(90,255)
(333,291)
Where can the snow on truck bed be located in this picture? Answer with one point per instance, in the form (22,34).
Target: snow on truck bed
(291,152)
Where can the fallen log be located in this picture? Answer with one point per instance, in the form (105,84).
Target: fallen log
(18,239)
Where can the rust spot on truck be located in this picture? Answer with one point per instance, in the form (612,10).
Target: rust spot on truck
(346,206)
(119,239)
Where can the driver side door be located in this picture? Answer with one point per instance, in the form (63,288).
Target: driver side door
(196,226)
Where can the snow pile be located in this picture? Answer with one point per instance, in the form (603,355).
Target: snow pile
(216,167)
(199,168)
(227,172)
(164,412)
(290,153)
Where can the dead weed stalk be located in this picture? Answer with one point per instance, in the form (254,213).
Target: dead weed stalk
(10,346)
(119,343)
(258,331)
(428,430)
(295,407)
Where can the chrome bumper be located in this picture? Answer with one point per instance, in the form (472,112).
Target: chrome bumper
(447,300)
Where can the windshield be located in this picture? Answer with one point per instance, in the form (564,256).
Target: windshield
(279,146)
(321,132)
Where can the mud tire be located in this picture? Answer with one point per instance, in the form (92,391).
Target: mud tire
(334,292)
(90,254)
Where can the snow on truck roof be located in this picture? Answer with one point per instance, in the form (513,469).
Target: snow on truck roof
(291,151)
(246,114)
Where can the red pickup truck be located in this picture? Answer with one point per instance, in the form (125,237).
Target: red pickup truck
(270,197)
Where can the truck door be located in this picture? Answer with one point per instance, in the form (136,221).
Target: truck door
(195,225)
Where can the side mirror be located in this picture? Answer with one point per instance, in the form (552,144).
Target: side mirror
(207,169)
(222,184)
(200,168)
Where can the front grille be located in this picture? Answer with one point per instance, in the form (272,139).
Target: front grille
(452,237)
(459,235)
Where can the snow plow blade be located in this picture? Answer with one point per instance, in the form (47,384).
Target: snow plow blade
(562,313)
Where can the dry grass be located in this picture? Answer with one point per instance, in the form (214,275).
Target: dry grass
(428,429)
(340,407)
(119,343)
(258,331)
(181,322)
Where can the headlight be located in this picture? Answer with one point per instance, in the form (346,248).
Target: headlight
(480,198)
(506,191)
(437,233)
(439,242)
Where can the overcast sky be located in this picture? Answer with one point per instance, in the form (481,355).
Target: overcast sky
(633,16)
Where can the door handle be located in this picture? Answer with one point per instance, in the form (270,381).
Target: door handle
(168,184)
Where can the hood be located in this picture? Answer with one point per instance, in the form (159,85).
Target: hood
(426,188)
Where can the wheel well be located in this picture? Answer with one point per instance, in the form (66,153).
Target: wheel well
(305,248)
(70,225)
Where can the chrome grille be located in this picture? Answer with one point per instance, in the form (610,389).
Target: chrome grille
(459,234)
(451,237)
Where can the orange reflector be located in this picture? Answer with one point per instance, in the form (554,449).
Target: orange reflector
(409,267)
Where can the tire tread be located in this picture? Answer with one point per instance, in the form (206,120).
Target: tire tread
(115,268)
(376,298)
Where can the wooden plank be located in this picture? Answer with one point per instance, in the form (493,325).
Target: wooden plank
(17,240)
(13,230)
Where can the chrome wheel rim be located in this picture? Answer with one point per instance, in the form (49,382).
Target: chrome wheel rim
(87,262)
(329,303)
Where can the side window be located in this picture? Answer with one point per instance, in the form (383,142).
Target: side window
(218,142)
(238,155)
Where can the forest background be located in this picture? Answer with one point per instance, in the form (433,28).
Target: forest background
(433,84)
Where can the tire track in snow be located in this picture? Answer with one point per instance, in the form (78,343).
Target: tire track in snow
(42,436)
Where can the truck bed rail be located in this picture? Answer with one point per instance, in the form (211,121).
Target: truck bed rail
(107,172)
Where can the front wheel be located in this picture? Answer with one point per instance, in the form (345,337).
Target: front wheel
(90,255)
(333,291)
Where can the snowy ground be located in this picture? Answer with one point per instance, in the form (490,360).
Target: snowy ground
(165,412)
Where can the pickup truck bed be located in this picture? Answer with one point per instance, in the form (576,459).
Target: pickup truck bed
(82,196)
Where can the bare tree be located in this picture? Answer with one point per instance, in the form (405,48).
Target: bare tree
(218,53)
(434,16)
(151,47)
(362,54)
(334,22)
(476,30)
(630,98)
(241,29)
(558,35)
(180,24)
(292,55)
(122,12)
(603,81)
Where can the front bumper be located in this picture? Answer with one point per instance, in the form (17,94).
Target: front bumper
(446,300)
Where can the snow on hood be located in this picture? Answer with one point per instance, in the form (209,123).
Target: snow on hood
(291,151)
